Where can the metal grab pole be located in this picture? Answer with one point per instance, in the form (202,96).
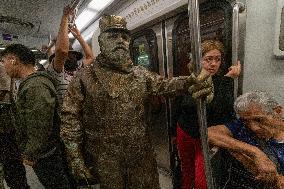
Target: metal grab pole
(194,25)
(74,6)
(237,8)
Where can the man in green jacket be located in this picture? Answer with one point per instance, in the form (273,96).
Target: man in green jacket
(38,122)
(10,157)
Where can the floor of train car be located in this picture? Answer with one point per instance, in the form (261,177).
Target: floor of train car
(165,180)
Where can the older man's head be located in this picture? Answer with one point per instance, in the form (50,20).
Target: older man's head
(259,111)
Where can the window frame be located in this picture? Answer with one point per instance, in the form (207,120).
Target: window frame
(154,64)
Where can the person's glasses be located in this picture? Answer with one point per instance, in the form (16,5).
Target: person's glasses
(210,59)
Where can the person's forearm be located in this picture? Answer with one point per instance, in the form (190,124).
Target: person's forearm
(89,56)
(62,42)
(62,45)
(280,182)
(275,183)
(224,141)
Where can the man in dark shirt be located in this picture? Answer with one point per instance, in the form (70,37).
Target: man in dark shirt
(256,139)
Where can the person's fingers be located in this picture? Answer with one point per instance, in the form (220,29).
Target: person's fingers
(190,67)
(233,72)
(193,78)
(203,76)
(210,97)
(205,84)
(196,87)
(201,93)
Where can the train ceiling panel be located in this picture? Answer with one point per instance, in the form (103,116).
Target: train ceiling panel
(36,18)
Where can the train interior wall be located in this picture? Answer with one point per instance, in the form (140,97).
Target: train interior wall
(262,70)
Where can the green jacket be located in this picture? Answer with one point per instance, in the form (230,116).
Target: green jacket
(38,121)
(7,121)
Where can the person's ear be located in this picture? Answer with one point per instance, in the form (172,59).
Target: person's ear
(13,61)
(278,110)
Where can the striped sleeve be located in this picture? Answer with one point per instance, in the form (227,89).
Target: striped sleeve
(62,81)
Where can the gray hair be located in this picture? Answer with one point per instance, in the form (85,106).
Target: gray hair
(261,98)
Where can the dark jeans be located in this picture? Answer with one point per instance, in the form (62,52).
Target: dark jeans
(14,170)
(52,172)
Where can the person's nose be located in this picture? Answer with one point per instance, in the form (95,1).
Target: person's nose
(120,38)
(254,128)
(214,63)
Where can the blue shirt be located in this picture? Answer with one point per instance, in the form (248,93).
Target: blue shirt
(240,132)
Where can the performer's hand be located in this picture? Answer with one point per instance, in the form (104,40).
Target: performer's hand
(204,86)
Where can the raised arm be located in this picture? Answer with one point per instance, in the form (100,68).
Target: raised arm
(89,57)
(196,86)
(62,42)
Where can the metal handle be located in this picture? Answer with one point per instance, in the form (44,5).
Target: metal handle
(237,9)
(74,6)
(194,25)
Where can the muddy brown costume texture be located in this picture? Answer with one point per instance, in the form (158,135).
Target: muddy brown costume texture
(104,121)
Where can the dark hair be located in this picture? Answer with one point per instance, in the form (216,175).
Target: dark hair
(25,55)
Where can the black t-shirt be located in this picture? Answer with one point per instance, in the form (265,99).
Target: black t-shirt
(219,111)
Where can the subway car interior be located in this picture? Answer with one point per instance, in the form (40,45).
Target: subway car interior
(163,36)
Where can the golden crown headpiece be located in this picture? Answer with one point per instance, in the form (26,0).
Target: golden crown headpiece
(110,22)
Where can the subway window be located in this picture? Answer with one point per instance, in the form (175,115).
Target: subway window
(144,50)
(214,24)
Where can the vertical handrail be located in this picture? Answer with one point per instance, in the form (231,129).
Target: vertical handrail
(194,25)
(74,5)
(237,9)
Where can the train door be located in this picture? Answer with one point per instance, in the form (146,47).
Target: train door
(147,50)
